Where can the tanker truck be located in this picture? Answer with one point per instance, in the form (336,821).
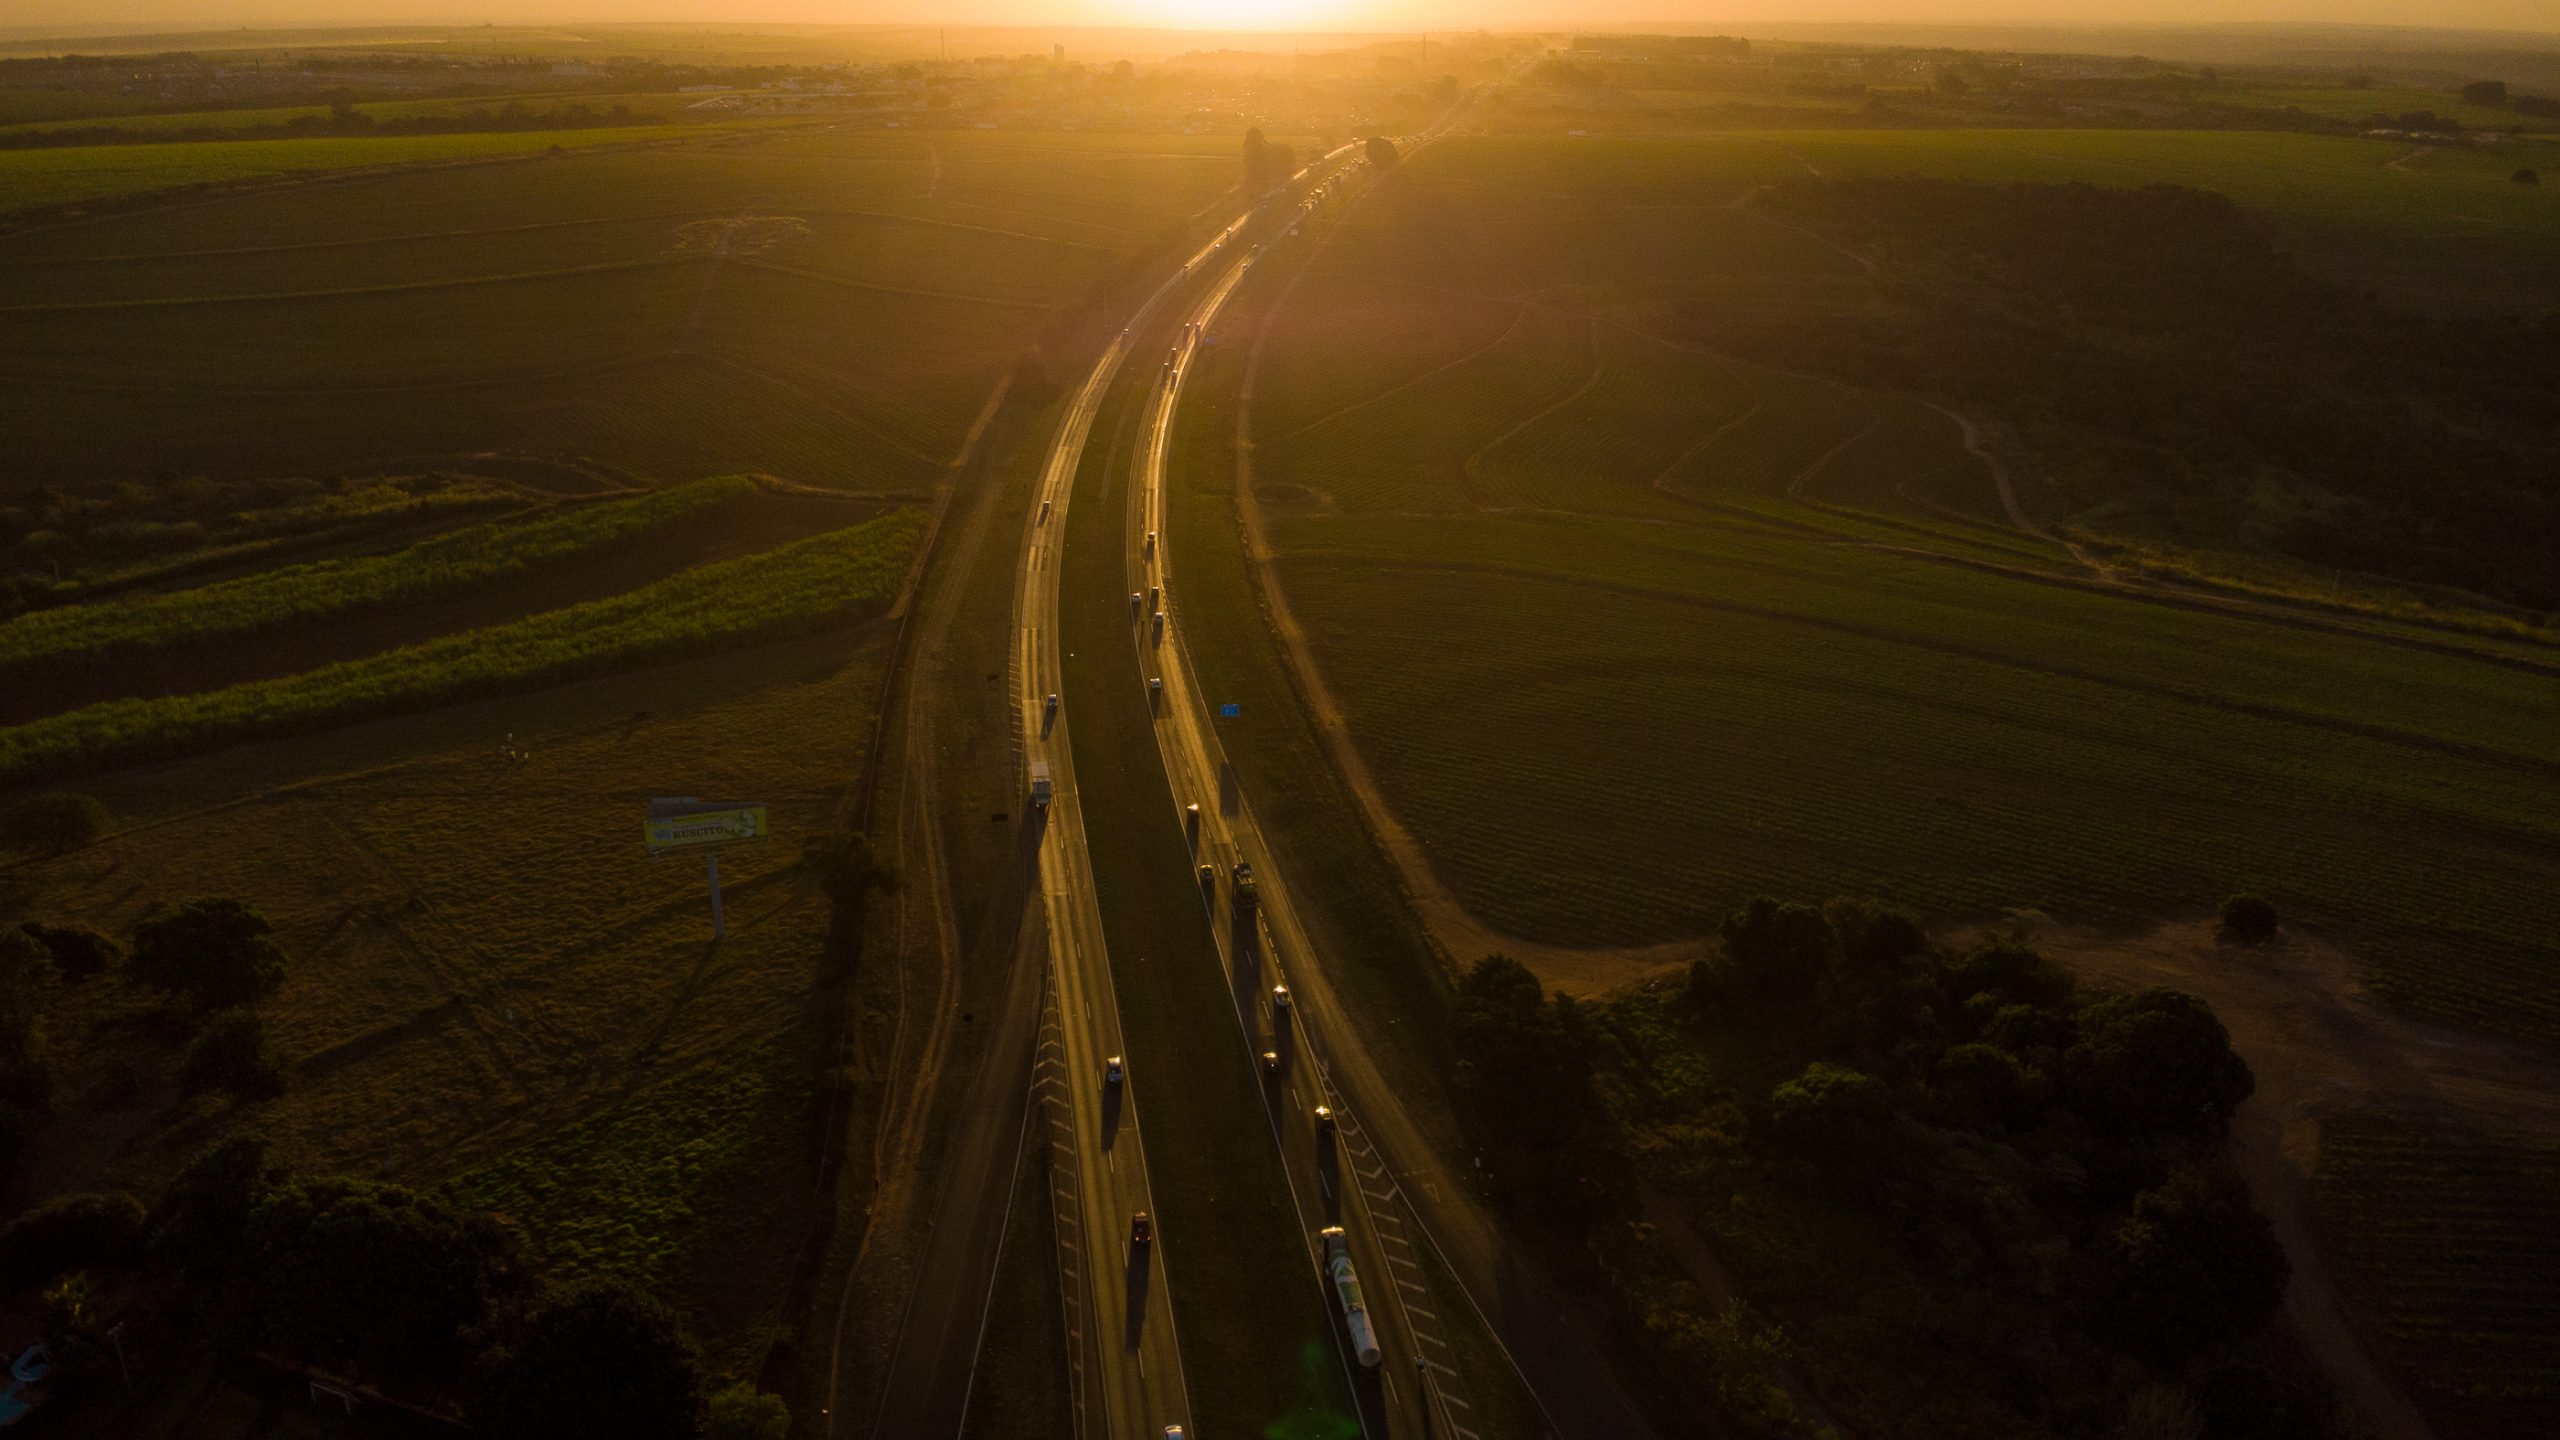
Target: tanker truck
(1346,1285)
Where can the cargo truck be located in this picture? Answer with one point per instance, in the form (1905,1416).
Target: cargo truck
(1041,787)
(1346,1286)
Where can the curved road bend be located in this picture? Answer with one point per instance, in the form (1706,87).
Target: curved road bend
(1401,1192)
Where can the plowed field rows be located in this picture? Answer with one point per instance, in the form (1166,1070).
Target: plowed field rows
(2450,1239)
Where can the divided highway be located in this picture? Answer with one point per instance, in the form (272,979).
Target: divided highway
(1123,1349)
(1397,1195)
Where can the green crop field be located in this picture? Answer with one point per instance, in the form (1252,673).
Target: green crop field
(1629,631)
(83,174)
(2449,1239)
(830,308)
(792,590)
(272,598)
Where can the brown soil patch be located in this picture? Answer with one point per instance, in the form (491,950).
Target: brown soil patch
(2320,1044)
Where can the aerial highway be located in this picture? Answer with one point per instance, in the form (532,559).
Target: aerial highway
(1124,1352)
(1377,1175)
(1422,1393)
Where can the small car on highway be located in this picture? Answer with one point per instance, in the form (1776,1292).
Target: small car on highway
(1141,1229)
(1113,1071)
(1279,997)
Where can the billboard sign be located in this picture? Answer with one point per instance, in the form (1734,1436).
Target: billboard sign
(684,825)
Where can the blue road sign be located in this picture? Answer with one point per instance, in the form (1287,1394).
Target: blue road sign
(1230,711)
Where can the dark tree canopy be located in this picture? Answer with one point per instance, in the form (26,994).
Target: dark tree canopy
(2248,919)
(71,1232)
(1381,152)
(1832,1114)
(1772,952)
(54,822)
(2156,1064)
(215,952)
(599,1359)
(356,1273)
(78,951)
(203,1216)
(2193,1262)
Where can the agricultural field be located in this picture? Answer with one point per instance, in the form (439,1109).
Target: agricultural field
(2446,1237)
(813,584)
(833,309)
(480,960)
(375,548)
(1629,630)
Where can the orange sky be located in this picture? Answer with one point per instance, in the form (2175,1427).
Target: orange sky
(2537,15)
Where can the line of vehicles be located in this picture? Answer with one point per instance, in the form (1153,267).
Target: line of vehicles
(1147,609)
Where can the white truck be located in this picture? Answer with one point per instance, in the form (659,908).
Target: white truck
(1346,1285)
(1041,785)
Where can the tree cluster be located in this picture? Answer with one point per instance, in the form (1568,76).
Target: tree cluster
(1525,1088)
(1266,162)
(2047,1159)
(216,957)
(343,119)
(389,1288)
(2159,354)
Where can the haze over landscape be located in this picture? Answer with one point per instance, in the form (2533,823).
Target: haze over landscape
(1208,718)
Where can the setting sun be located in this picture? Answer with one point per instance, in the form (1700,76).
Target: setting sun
(1241,14)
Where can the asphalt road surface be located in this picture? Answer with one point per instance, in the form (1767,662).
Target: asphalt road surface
(1379,1178)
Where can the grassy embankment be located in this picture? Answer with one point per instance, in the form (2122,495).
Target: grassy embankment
(1256,1341)
(793,590)
(233,609)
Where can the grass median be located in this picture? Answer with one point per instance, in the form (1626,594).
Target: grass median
(1256,1344)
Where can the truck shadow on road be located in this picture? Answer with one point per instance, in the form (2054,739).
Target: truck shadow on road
(1140,1274)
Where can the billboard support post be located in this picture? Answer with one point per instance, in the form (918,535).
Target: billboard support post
(681,822)
(719,927)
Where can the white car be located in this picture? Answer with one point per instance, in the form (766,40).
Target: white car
(1279,997)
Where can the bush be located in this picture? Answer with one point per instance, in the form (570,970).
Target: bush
(231,1055)
(1772,952)
(2195,1262)
(78,951)
(215,952)
(741,1412)
(2248,920)
(74,1232)
(378,1278)
(1833,1115)
(202,1216)
(2156,1064)
(600,1359)
(54,822)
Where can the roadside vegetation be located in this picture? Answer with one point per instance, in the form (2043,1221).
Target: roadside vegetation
(1900,1150)
(231,610)
(801,587)
(60,547)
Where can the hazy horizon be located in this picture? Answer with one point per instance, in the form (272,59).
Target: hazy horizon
(2533,17)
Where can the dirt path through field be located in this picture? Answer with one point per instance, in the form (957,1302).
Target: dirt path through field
(2321,1044)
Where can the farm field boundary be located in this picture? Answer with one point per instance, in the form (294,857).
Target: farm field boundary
(801,587)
